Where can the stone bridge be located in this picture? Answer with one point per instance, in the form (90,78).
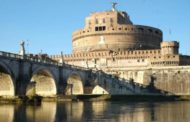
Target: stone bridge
(20,76)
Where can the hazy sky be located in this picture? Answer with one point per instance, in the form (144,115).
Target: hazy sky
(47,25)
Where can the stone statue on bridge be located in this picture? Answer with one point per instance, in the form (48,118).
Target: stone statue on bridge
(22,48)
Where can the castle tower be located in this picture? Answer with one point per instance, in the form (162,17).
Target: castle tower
(170,48)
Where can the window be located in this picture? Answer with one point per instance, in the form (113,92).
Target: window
(111,20)
(104,28)
(96,28)
(96,21)
(100,28)
(104,21)
(89,23)
(141,29)
(150,30)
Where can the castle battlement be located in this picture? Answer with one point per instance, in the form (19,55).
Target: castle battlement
(154,57)
(127,29)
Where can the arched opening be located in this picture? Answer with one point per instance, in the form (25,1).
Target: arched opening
(75,85)
(99,90)
(42,84)
(6,83)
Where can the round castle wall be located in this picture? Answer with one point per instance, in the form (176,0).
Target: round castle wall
(120,38)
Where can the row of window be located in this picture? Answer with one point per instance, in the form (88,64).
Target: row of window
(100,28)
(139,57)
(140,60)
(124,53)
(140,29)
(164,62)
(97,21)
(103,28)
(144,52)
(168,47)
(111,20)
(167,57)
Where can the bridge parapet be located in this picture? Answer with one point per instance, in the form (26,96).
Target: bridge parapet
(10,55)
(38,60)
(26,57)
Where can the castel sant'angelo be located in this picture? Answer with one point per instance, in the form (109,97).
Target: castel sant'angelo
(111,42)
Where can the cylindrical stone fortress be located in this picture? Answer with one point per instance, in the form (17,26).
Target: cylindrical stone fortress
(113,30)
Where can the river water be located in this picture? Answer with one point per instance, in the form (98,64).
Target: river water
(102,111)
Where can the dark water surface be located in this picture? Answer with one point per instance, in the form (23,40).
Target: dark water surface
(97,112)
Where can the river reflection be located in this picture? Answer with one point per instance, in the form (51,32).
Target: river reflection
(6,113)
(44,113)
(97,112)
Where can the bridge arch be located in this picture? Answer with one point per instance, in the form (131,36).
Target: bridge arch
(7,84)
(75,84)
(99,90)
(42,83)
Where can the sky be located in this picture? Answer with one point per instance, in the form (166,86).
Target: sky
(47,25)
